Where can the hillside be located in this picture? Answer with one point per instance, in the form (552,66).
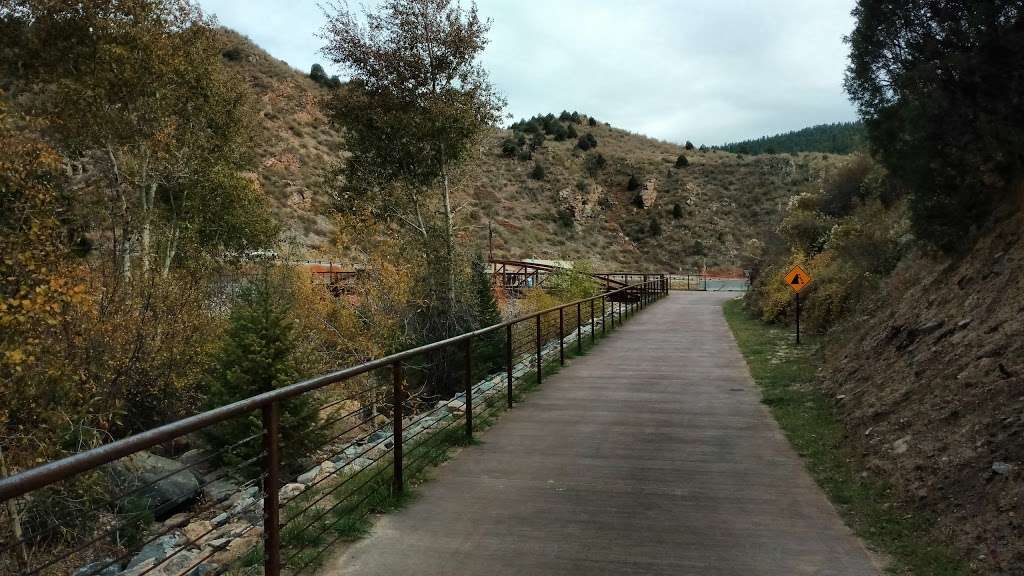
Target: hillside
(725,200)
(838,138)
(928,378)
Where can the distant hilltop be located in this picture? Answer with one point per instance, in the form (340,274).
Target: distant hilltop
(838,138)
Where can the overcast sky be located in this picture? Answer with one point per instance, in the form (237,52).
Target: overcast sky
(709,71)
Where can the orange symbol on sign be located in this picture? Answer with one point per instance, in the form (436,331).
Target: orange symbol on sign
(798,278)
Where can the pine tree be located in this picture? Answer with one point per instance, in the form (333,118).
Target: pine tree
(255,358)
(489,355)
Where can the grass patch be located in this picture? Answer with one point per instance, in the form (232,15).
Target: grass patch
(786,374)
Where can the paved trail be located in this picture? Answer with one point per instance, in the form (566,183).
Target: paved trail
(652,455)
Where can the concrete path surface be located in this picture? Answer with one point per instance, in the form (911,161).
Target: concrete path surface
(652,455)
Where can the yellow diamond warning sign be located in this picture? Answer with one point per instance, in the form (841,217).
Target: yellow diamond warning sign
(798,278)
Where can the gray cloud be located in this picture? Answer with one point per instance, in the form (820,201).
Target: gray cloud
(709,71)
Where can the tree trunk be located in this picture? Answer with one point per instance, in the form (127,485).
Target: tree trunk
(172,250)
(12,512)
(148,195)
(449,246)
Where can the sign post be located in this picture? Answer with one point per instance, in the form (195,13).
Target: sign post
(797,280)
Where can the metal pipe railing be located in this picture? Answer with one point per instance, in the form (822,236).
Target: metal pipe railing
(623,301)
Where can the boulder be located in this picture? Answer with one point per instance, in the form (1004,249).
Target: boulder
(289,491)
(326,469)
(309,476)
(219,490)
(178,520)
(198,531)
(148,471)
(154,552)
(236,549)
(99,568)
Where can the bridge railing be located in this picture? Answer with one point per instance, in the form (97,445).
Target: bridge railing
(257,502)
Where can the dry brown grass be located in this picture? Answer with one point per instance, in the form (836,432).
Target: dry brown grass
(727,199)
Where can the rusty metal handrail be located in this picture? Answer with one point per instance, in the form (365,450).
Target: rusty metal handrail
(268,403)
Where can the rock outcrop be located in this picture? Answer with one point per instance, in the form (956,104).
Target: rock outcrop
(582,204)
(648,194)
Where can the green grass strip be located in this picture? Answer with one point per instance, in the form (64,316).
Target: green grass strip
(786,374)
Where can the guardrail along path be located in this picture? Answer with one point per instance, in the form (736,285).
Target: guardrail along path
(652,455)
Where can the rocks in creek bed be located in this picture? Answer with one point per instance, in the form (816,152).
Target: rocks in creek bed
(289,491)
(178,520)
(308,476)
(155,551)
(157,483)
(198,531)
(219,490)
(99,568)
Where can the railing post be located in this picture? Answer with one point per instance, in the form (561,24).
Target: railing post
(604,315)
(561,336)
(271,488)
(579,331)
(593,327)
(540,356)
(508,361)
(469,387)
(397,430)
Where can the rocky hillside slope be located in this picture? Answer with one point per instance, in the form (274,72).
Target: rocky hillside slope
(577,211)
(929,380)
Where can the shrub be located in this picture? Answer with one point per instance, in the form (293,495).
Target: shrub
(591,140)
(537,140)
(844,189)
(233,54)
(525,155)
(689,145)
(592,121)
(538,172)
(595,163)
(677,211)
(682,161)
(509,148)
(570,132)
(256,357)
(654,228)
(576,118)
(583,144)
(317,74)
(565,116)
(634,184)
(559,132)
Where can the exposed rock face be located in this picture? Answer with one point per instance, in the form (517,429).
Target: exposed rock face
(648,194)
(582,205)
